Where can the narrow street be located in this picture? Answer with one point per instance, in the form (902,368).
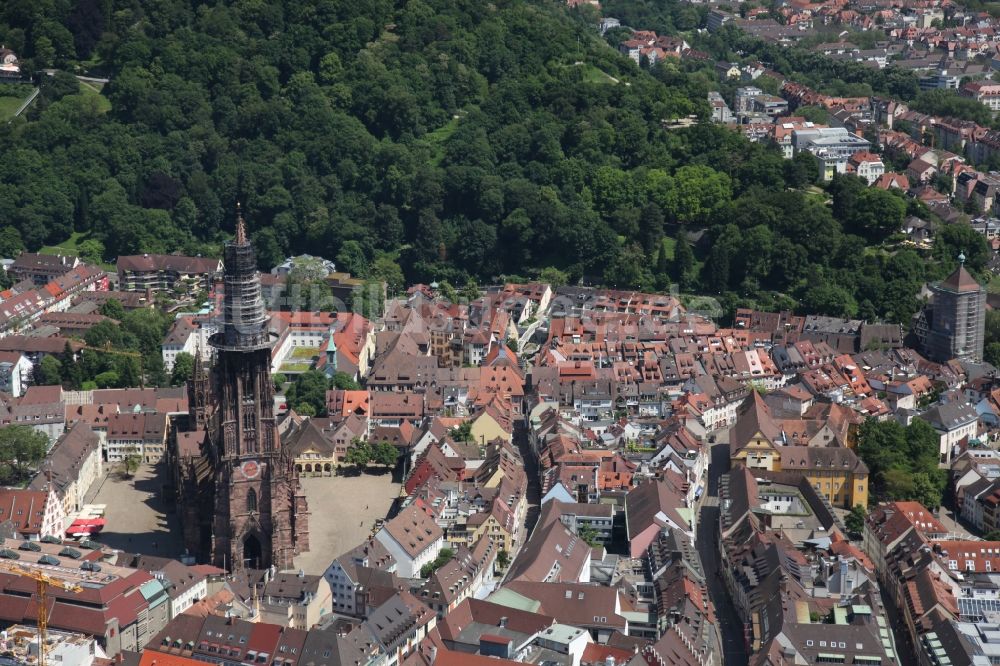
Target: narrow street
(731,628)
(534,492)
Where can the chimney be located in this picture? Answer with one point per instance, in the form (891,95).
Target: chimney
(503,622)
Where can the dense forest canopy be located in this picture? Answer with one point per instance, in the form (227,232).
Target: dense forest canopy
(448,139)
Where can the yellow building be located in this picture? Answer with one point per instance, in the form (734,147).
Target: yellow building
(835,472)
(314,454)
(757,442)
(491,423)
(755,438)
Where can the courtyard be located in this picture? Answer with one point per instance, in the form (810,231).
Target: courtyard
(137,520)
(342,513)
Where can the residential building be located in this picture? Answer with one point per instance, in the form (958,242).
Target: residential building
(553,553)
(313,450)
(42,408)
(190,335)
(16,373)
(185,585)
(413,539)
(866,165)
(362,579)
(32,514)
(831,146)
(598,609)
(62,647)
(72,466)
(462,577)
(136,433)
(596,519)
(163,272)
(759,442)
(984,92)
(399,625)
(653,507)
(216,639)
(10,70)
(298,601)
(720,110)
(41,268)
(956,423)
(743,100)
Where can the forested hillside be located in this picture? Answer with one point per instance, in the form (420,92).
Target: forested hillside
(432,139)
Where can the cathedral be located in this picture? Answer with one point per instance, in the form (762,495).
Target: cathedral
(239,494)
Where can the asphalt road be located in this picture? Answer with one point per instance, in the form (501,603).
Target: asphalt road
(731,628)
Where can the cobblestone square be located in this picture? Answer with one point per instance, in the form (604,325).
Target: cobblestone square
(343,511)
(137,520)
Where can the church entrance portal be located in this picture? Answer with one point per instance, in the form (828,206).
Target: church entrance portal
(252,552)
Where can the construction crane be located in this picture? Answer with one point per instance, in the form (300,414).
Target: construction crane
(42,581)
(108,350)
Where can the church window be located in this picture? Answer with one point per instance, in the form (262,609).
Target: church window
(252,500)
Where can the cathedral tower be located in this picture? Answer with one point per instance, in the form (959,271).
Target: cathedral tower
(260,516)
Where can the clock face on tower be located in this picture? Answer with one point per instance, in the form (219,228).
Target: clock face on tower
(250,469)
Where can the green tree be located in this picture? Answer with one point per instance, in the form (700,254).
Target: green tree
(992,327)
(903,461)
(503,560)
(950,104)
(629,270)
(829,299)
(359,454)
(651,227)
(816,114)
(385,454)
(802,170)
(589,535)
(91,251)
(991,353)
(22,449)
(462,432)
(112,308)
(11,243)
(683,265)
(389,272)
(368,299)
(130,463)
(442,559)
(279,379)
(108,379)
(470,291)
(305,409)
(954,239)
(352,259)
(877,214)
(309,388)
(343,381)
(855,520)
(697,192)
(447,291)
(183,369)
(553,277)
(49,371)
